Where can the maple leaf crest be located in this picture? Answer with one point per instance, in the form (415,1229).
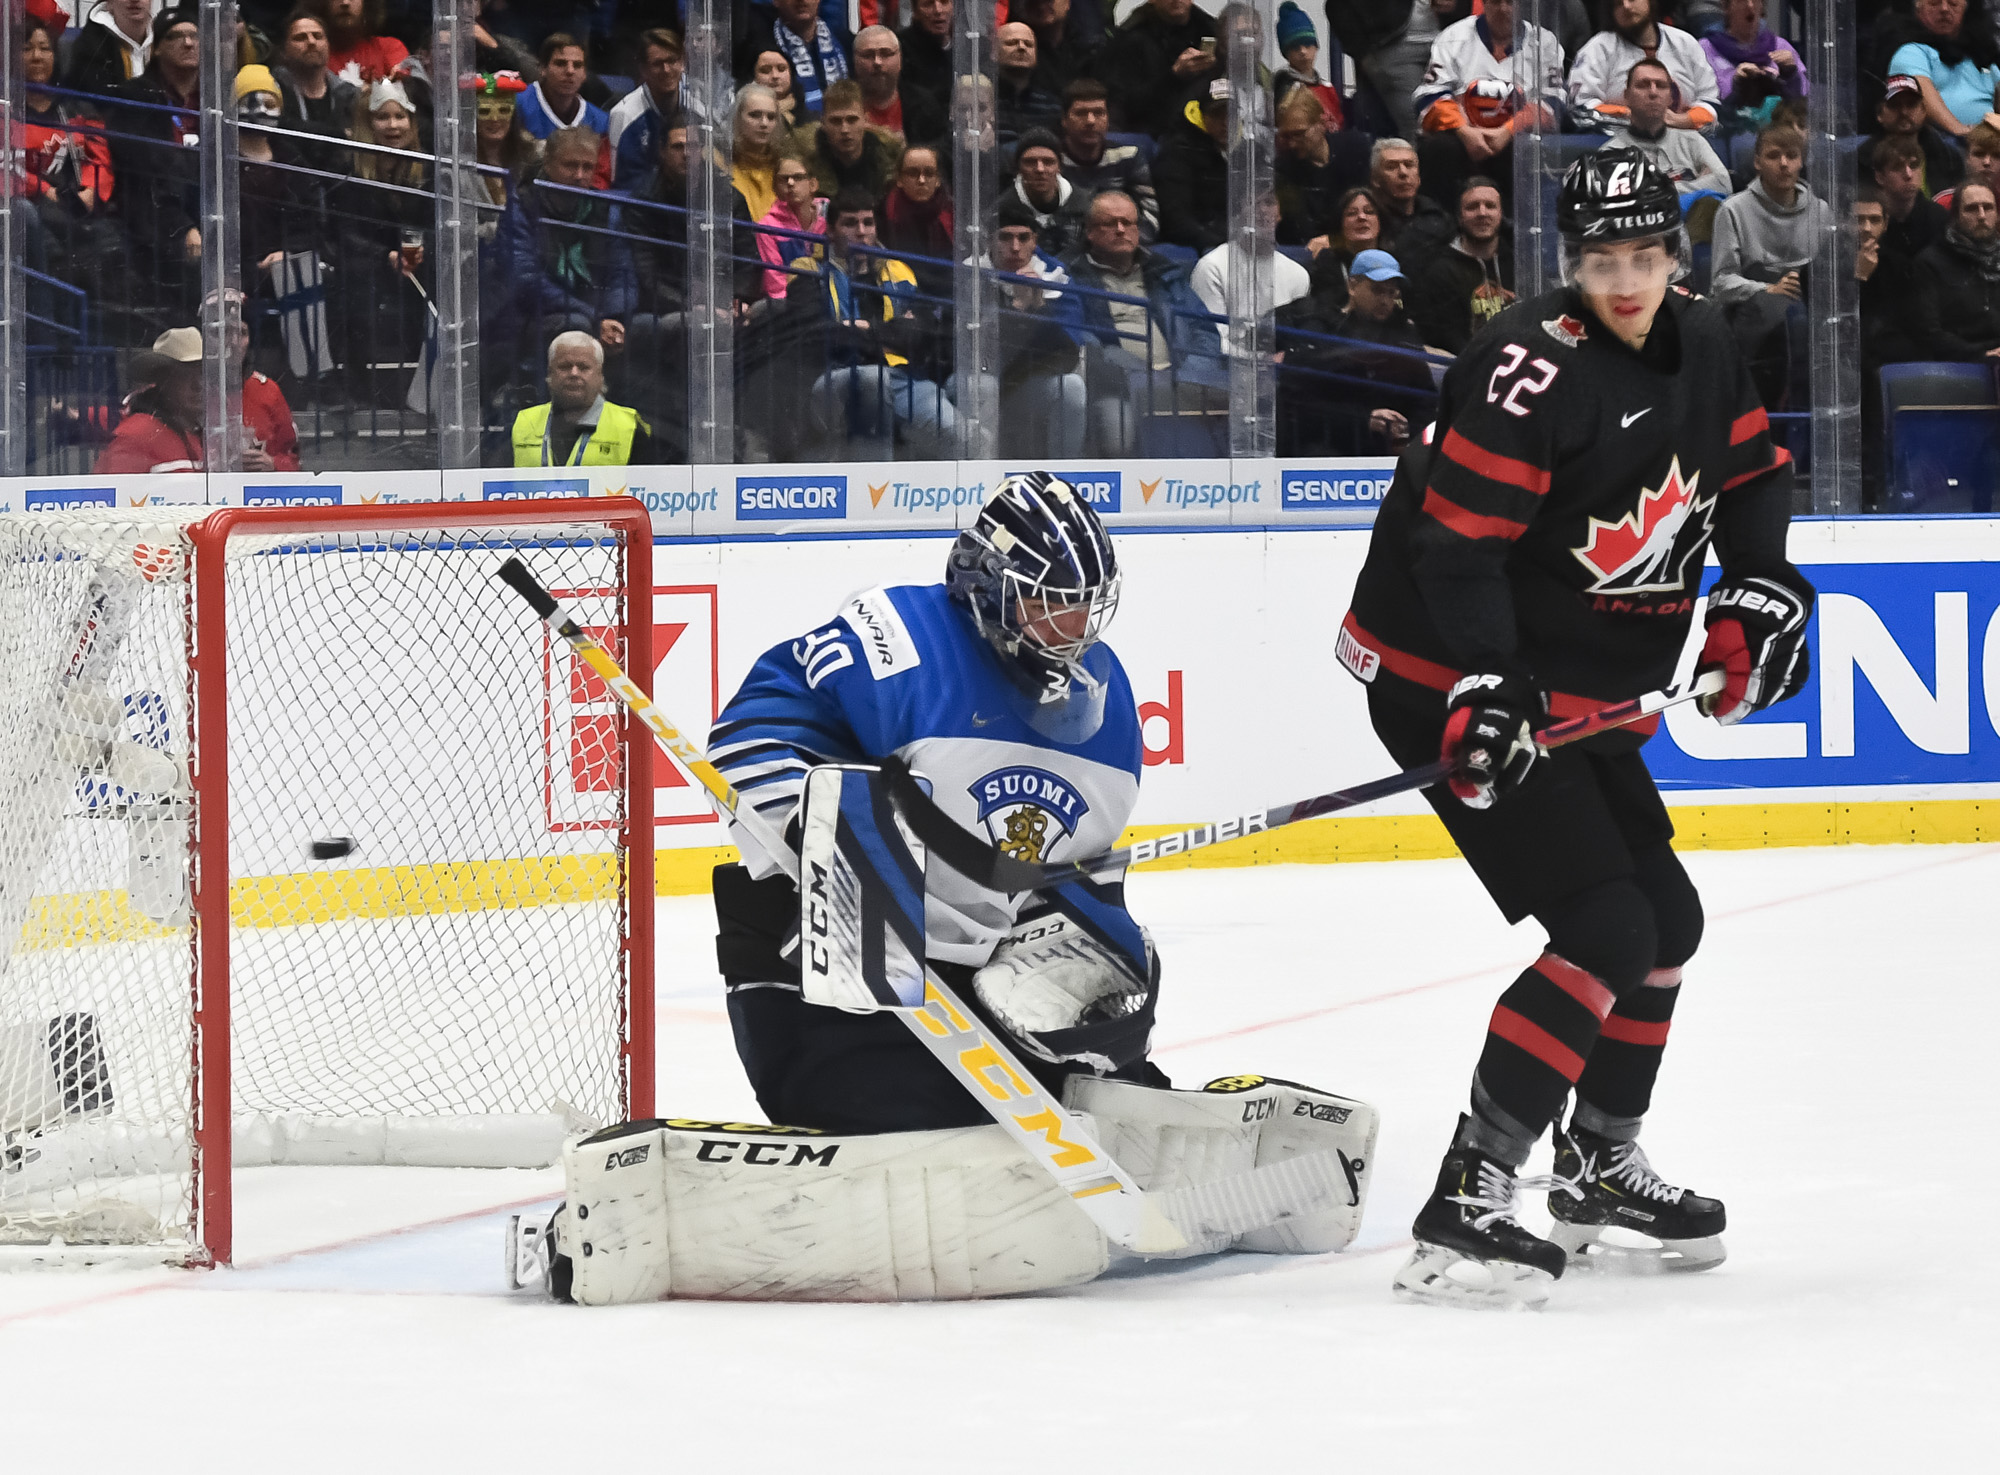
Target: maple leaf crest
(1639,553)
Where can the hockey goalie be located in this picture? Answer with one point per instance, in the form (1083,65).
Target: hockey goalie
(962,1071)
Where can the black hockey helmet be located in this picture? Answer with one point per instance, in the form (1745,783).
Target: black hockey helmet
(1037,539)
(1618,194)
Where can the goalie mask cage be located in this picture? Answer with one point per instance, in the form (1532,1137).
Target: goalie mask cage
(315,847)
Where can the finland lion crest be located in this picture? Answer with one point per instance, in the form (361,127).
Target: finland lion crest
(1028,811)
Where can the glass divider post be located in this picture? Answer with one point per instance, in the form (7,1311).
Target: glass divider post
(14,208)
(975,184)
(1833,296)
(1251,329)
(1536,268)
(455,138)
(223,322)
(711,237)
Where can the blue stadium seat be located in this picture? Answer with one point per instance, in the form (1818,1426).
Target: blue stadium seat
(1941,424)
(1299,254)
(1145,143)
(1182,255)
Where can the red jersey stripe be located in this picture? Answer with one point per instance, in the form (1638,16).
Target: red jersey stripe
(1562,705)
(1748,426)
(1470,524)
(1777,460)
(1538,1042)
(1494,467)
(1586,988)
(1634,1032)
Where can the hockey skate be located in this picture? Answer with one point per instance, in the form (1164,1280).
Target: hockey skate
(1471,1250)
(1622,1219)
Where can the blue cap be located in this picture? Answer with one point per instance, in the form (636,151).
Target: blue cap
(1377,266)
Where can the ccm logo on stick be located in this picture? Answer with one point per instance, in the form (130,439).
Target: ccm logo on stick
(766,1154)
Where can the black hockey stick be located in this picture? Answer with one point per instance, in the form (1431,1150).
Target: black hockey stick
(998,871)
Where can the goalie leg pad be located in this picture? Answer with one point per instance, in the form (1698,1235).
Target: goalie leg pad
(732,1211)
(1188,1140)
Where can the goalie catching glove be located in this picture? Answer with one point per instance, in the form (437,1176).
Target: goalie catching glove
(1065,996)
(1757,639)
(1489,736)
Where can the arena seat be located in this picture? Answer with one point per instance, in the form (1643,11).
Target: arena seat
(1941,436)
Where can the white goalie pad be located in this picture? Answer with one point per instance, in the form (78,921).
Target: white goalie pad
(1286,1165)
(732,1211)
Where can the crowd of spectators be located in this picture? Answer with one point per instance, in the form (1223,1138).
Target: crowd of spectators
(1105,132)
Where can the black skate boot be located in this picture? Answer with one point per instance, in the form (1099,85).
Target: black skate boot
(1659,1227)
(1471,1251)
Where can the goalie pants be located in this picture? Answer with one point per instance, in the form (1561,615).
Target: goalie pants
(817,1067)
(1583,848)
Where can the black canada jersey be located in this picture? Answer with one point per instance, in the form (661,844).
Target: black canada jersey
(1556,521)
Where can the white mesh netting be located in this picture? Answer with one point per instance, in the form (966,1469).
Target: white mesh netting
(426,880)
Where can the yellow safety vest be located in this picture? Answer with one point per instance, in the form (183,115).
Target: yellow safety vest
(610,444)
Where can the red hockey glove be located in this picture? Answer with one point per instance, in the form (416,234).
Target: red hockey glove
(1757,639)
(1489,736)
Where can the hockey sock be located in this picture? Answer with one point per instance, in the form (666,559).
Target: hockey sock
(1616,1086)
(1536,1045)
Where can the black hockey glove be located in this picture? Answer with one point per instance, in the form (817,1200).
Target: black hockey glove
(1757,639)
(1489,736)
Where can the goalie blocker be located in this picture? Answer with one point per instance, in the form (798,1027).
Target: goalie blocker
(732,1211)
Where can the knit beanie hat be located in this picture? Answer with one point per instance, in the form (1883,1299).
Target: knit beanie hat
(255,79)
(1295,28)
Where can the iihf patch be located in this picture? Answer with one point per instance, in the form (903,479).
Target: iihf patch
(1027,811)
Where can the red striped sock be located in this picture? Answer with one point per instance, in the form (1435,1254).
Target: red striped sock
(1618,1080)
(1540,1038)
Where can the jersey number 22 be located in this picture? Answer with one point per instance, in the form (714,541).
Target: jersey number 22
(1541,375)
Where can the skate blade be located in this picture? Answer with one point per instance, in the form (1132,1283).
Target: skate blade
(1605,1249)
(1436,1276)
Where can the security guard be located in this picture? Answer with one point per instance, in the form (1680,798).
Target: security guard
(579,427)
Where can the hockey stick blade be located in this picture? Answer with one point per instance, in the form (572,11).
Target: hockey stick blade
(983,1063)
(991,868)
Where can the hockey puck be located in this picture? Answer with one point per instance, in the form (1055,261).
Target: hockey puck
(333,847)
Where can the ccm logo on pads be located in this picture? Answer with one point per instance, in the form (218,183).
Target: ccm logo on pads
(770,498)
(766,1154)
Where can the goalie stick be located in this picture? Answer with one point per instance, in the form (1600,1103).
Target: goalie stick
(998,871)
(1144,1223)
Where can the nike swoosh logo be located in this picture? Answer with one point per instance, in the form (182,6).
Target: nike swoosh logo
(1625,421)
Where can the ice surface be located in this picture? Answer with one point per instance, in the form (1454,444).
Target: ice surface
(1829,1077)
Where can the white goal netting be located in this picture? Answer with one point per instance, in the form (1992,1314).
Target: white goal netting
(422,847)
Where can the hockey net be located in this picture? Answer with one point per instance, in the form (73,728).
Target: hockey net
(313,850)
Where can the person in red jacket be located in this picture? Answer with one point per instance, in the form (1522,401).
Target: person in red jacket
(161,430)
(357,51)
(162,427)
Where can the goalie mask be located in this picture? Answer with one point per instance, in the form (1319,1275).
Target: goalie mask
(1039,577)
(1617,195)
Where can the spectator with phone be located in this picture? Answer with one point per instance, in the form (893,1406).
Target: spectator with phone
(1156,56)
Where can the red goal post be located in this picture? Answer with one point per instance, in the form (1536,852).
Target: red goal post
(326,754)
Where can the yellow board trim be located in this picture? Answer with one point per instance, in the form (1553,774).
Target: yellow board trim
(468,886)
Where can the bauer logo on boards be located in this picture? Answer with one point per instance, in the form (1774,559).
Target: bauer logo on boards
(782,498)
